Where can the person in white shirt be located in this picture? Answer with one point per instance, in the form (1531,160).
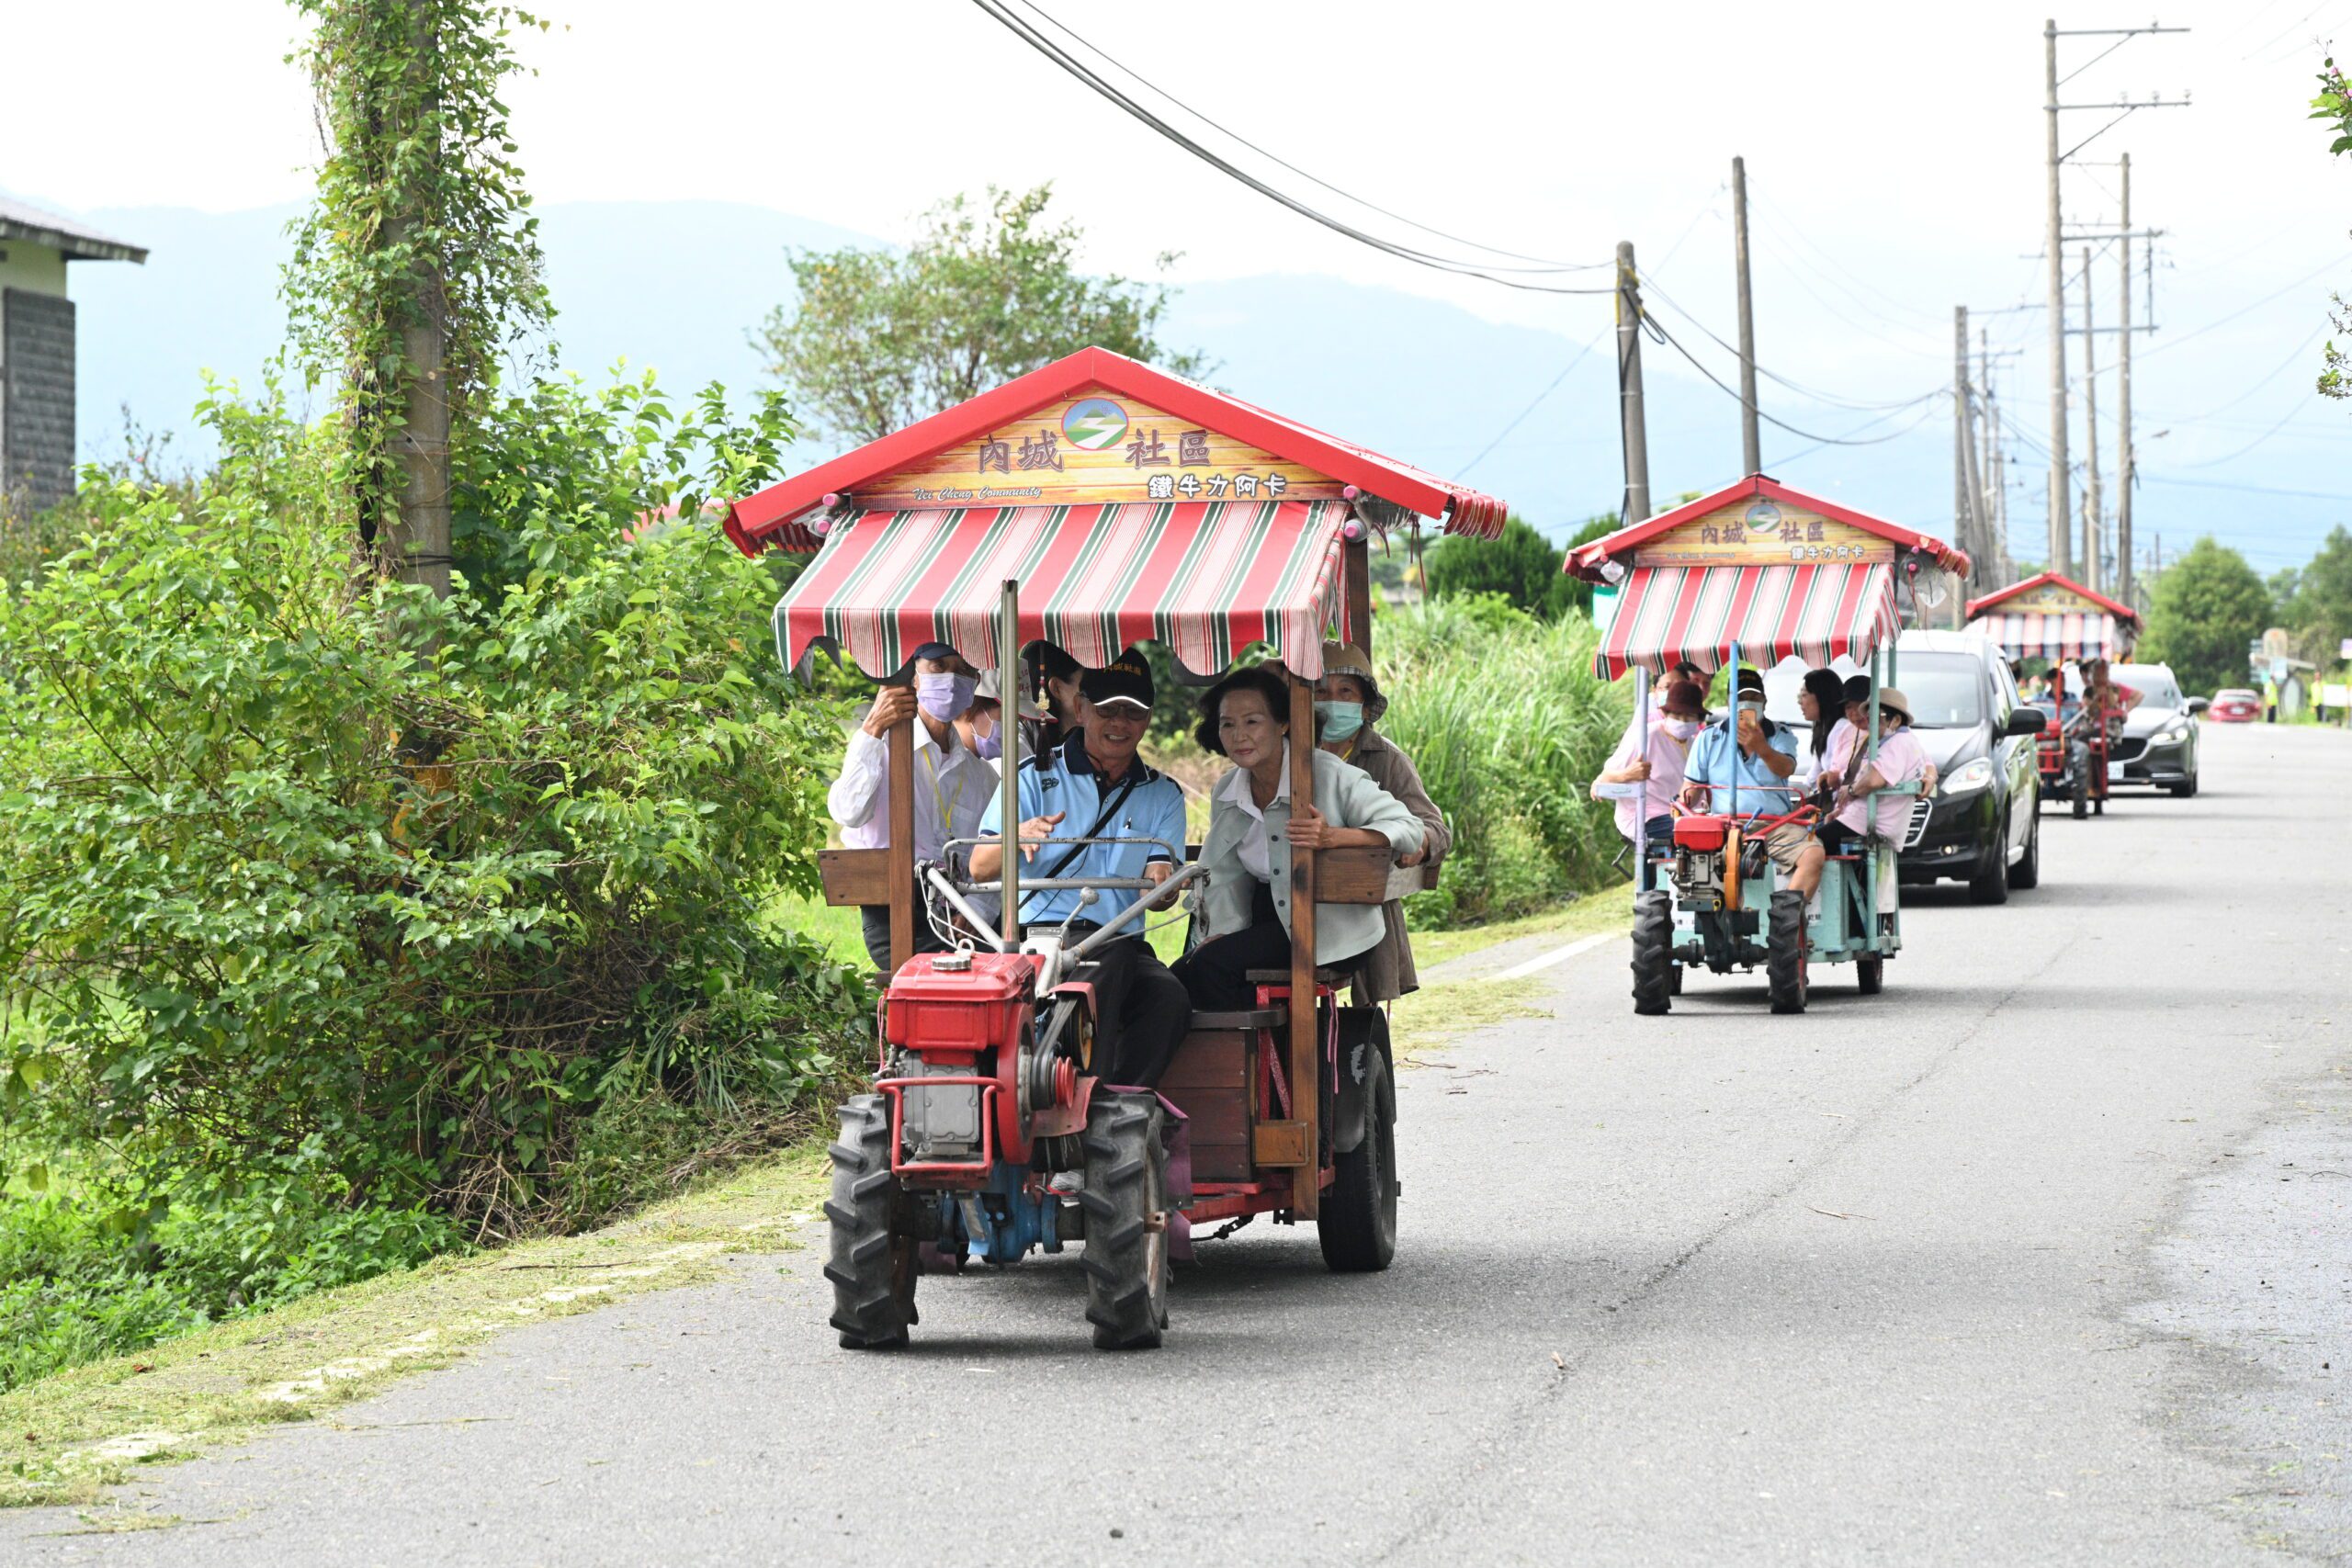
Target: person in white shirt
(1681,710)
(1823,702)
(954,784)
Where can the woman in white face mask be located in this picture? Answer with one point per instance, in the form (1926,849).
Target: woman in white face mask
(1648,822)
(1347,703)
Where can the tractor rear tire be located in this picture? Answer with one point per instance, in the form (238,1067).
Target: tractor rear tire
(1125,1201)
(872,1269)
(1654,965)
(2026,872)
(1358,1225)
(1869,975)
(1785,948)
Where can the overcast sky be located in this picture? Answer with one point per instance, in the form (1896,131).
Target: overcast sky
(1895,155)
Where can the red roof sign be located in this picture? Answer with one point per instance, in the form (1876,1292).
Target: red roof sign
(1099,428)
(2047,593)
(1759,523)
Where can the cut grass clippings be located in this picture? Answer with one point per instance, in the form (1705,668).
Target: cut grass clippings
(70,1435)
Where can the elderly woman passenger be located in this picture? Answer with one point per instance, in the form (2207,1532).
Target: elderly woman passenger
(1252,827)
(1347,703)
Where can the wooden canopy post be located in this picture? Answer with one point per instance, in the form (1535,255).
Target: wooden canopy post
(1306,1037)
(1357,555)
(902,842)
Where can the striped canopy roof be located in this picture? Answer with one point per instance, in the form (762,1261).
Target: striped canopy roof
(1206,579)
(1671,614)
(2055,637)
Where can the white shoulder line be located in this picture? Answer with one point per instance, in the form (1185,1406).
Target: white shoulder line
(1557,955)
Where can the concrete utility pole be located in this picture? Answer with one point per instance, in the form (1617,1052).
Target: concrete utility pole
(2053,242)
(2094,522)
(416,541)
(2060,513)
(1752,445)
(1629,384)
(2124,469)
(1989,445)
(1967,517)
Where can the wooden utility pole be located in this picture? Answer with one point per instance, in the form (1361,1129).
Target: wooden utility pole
(2061,512)
(1629,384)
(2124,456)
(1751,446)
(2093,521)
(416,545)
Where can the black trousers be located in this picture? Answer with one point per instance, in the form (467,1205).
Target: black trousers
(1141,1014)
(875,921)
(1215,974)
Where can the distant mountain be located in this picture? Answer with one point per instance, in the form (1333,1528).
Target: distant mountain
(678,286)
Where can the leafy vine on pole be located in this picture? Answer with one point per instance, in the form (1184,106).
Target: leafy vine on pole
(419,264)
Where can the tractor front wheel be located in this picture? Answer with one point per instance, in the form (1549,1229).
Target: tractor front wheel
(1125,1201)
(1785,948)
(1358,1225)
(1653,966)
(872,1269)
(1870,975)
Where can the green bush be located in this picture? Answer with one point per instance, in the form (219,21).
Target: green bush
(335,901)
(1508,724)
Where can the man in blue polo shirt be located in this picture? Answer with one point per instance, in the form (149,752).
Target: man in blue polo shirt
(1093,785)
(1746,747)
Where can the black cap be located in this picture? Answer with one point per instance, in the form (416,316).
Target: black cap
(1858,688)
(934,651)
(1127,679)
(1751,679)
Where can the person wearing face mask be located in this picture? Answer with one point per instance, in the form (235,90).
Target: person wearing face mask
(1348,703)
(953,785)
(982,728)
(1245,915)
(1659,772)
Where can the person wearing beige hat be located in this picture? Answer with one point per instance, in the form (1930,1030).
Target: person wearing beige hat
(1348,703)
(1901,760)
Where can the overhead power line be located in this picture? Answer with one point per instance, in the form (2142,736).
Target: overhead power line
(1030,35)
(1658,330)
(1531,408)
(1544,264)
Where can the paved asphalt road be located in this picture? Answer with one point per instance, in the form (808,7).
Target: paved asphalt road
(2034,1258)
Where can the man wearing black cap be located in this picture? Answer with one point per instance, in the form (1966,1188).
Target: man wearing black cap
(1745,748)
(1093,786)
(952,784)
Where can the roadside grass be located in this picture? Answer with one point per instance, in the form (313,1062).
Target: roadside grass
(1449,1007)
(1610,908)
(71,1435)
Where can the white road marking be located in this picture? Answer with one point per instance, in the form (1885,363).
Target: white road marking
(1557,955)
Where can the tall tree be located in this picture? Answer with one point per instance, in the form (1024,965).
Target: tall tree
(2333,105)
(1519,563)
(880,338)
(2208,606)
(419,263)
(2317,606)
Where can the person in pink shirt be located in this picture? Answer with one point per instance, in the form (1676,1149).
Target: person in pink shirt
(1681,709)
(1901,760)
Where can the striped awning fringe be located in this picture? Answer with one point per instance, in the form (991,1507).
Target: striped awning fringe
(1204,579)
(1668,614)
(2069,635)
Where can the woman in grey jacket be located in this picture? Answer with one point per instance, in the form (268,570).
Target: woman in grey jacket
(1245,912)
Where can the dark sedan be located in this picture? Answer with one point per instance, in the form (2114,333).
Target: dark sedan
(1984,824)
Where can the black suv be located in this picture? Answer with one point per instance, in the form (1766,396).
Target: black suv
(1983,825)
